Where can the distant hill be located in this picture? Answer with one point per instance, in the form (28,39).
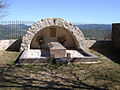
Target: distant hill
(90,31)
(15,26)
(95,26)
(12,30)
(23,26)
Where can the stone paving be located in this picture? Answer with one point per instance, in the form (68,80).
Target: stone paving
(74,53)
(35,53)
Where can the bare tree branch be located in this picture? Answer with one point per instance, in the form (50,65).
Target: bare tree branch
(3,5)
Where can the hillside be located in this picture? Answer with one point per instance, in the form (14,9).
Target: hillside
(12,30)
(95,26)
(96,31)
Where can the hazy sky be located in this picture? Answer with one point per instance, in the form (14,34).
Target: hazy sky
(92,11)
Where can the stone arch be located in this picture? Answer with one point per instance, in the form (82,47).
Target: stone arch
(76,33)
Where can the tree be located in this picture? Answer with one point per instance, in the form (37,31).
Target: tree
(3,5)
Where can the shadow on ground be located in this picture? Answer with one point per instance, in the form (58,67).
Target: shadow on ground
(110,52)
(15,46)
(26,77)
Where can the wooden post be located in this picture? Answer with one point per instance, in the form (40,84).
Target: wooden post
(69,57)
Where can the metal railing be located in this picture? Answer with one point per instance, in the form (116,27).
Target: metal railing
(16,29)
(13,29)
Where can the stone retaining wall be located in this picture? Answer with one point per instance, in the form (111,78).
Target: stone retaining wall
(87,60)
(99,44)
(12,44)
(116,35)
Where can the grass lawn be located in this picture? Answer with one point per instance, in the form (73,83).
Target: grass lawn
(104,75)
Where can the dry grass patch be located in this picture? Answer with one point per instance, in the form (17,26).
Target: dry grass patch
(104,75)
(8,57)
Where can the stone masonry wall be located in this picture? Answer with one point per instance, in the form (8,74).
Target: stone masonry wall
(48,22)
(10,44)
(93,44)
(4,44)
(116,34)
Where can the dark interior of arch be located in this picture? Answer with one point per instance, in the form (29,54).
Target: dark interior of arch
(53,34)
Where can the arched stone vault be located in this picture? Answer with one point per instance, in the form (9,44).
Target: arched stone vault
(36,27)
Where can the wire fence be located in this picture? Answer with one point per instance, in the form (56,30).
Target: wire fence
(16,29)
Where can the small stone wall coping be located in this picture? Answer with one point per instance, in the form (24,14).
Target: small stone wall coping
(4,44)
(12,44)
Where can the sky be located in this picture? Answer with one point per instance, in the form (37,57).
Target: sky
(90,11)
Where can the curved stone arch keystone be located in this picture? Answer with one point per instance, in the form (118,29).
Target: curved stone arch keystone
(43,23)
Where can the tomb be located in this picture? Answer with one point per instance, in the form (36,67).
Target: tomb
(57,49)
(54,36)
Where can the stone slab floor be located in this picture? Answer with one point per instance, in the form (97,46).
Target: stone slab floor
(35,53)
